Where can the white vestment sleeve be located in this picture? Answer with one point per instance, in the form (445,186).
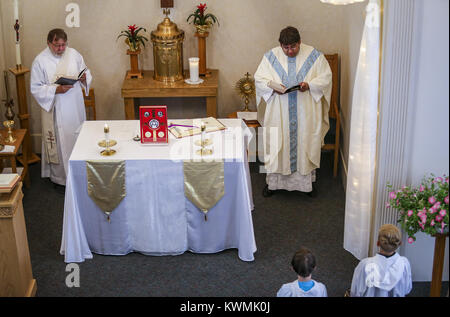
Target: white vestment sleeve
(405,283)
(284,291)
(322,84)
(262,78)
(359,281)
(42,91)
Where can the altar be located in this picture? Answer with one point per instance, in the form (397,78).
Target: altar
(155,217)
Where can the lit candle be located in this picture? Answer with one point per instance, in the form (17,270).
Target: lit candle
(106,130)
(203,129)
(193,68)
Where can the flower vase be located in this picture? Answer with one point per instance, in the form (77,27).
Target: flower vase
(202,34)
(134,72)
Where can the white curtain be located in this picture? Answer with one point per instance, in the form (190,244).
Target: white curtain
(363,132)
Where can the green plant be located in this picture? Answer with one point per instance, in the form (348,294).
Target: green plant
(424,208)
(133,37)
(200,18)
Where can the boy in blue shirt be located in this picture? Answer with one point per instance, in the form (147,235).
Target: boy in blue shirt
(303,263)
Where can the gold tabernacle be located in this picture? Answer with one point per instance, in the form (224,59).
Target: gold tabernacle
(167,42)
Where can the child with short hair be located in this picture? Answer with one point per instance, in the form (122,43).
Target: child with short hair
(387,274)
(303,263)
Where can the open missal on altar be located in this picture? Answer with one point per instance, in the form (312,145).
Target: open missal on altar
(8,182)
(188,127)
(281,88)
(70,80)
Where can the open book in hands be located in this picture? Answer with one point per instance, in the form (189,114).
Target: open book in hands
(70,80)
(280,88)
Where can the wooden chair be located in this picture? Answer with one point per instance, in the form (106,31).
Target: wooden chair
(89,102)
(334,112)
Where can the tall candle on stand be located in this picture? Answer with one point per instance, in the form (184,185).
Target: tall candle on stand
(193,68)
(16,21)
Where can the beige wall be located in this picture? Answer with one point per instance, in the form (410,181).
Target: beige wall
(248,28)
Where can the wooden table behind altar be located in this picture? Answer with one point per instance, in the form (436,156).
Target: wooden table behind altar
(21,141)
(155,217)
(147,87)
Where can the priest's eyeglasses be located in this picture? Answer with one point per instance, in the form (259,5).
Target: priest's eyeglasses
(290,47)
(59,45)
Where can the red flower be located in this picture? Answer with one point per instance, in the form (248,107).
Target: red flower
(201,8)
(132,28)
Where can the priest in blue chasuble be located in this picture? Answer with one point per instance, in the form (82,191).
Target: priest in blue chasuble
(295,123)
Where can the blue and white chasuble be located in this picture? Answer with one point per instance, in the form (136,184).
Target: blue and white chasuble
(294,124)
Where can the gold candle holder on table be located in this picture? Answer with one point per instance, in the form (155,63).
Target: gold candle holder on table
(107,143)
(10,138)
(203,142)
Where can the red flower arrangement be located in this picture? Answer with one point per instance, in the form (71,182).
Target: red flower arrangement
(200,18)
(133,38)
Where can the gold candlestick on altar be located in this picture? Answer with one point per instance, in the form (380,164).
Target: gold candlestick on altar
(107,143)
(204,142)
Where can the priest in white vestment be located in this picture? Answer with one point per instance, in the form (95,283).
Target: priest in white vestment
(294,123)
(62,106)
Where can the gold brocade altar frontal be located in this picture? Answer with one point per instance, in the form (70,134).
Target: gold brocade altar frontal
(106,183)
(204,183)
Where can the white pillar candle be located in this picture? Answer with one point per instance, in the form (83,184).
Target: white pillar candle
(193,68)
(16,17)
(18,60)
(16,10)
(106,130)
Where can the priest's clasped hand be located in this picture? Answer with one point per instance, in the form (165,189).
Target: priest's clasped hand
(304,86)
(62,89)
(83,79)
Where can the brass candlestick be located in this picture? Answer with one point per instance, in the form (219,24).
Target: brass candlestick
(107,143)
(203,142)
(10,138)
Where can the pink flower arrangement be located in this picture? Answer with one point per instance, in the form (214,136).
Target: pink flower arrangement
(424,208)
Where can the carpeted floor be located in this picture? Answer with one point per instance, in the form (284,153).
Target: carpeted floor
(282,223)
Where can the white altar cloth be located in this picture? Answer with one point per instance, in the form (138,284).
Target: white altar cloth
(155,218)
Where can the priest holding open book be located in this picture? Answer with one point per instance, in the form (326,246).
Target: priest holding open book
(295,81)
(62,105)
